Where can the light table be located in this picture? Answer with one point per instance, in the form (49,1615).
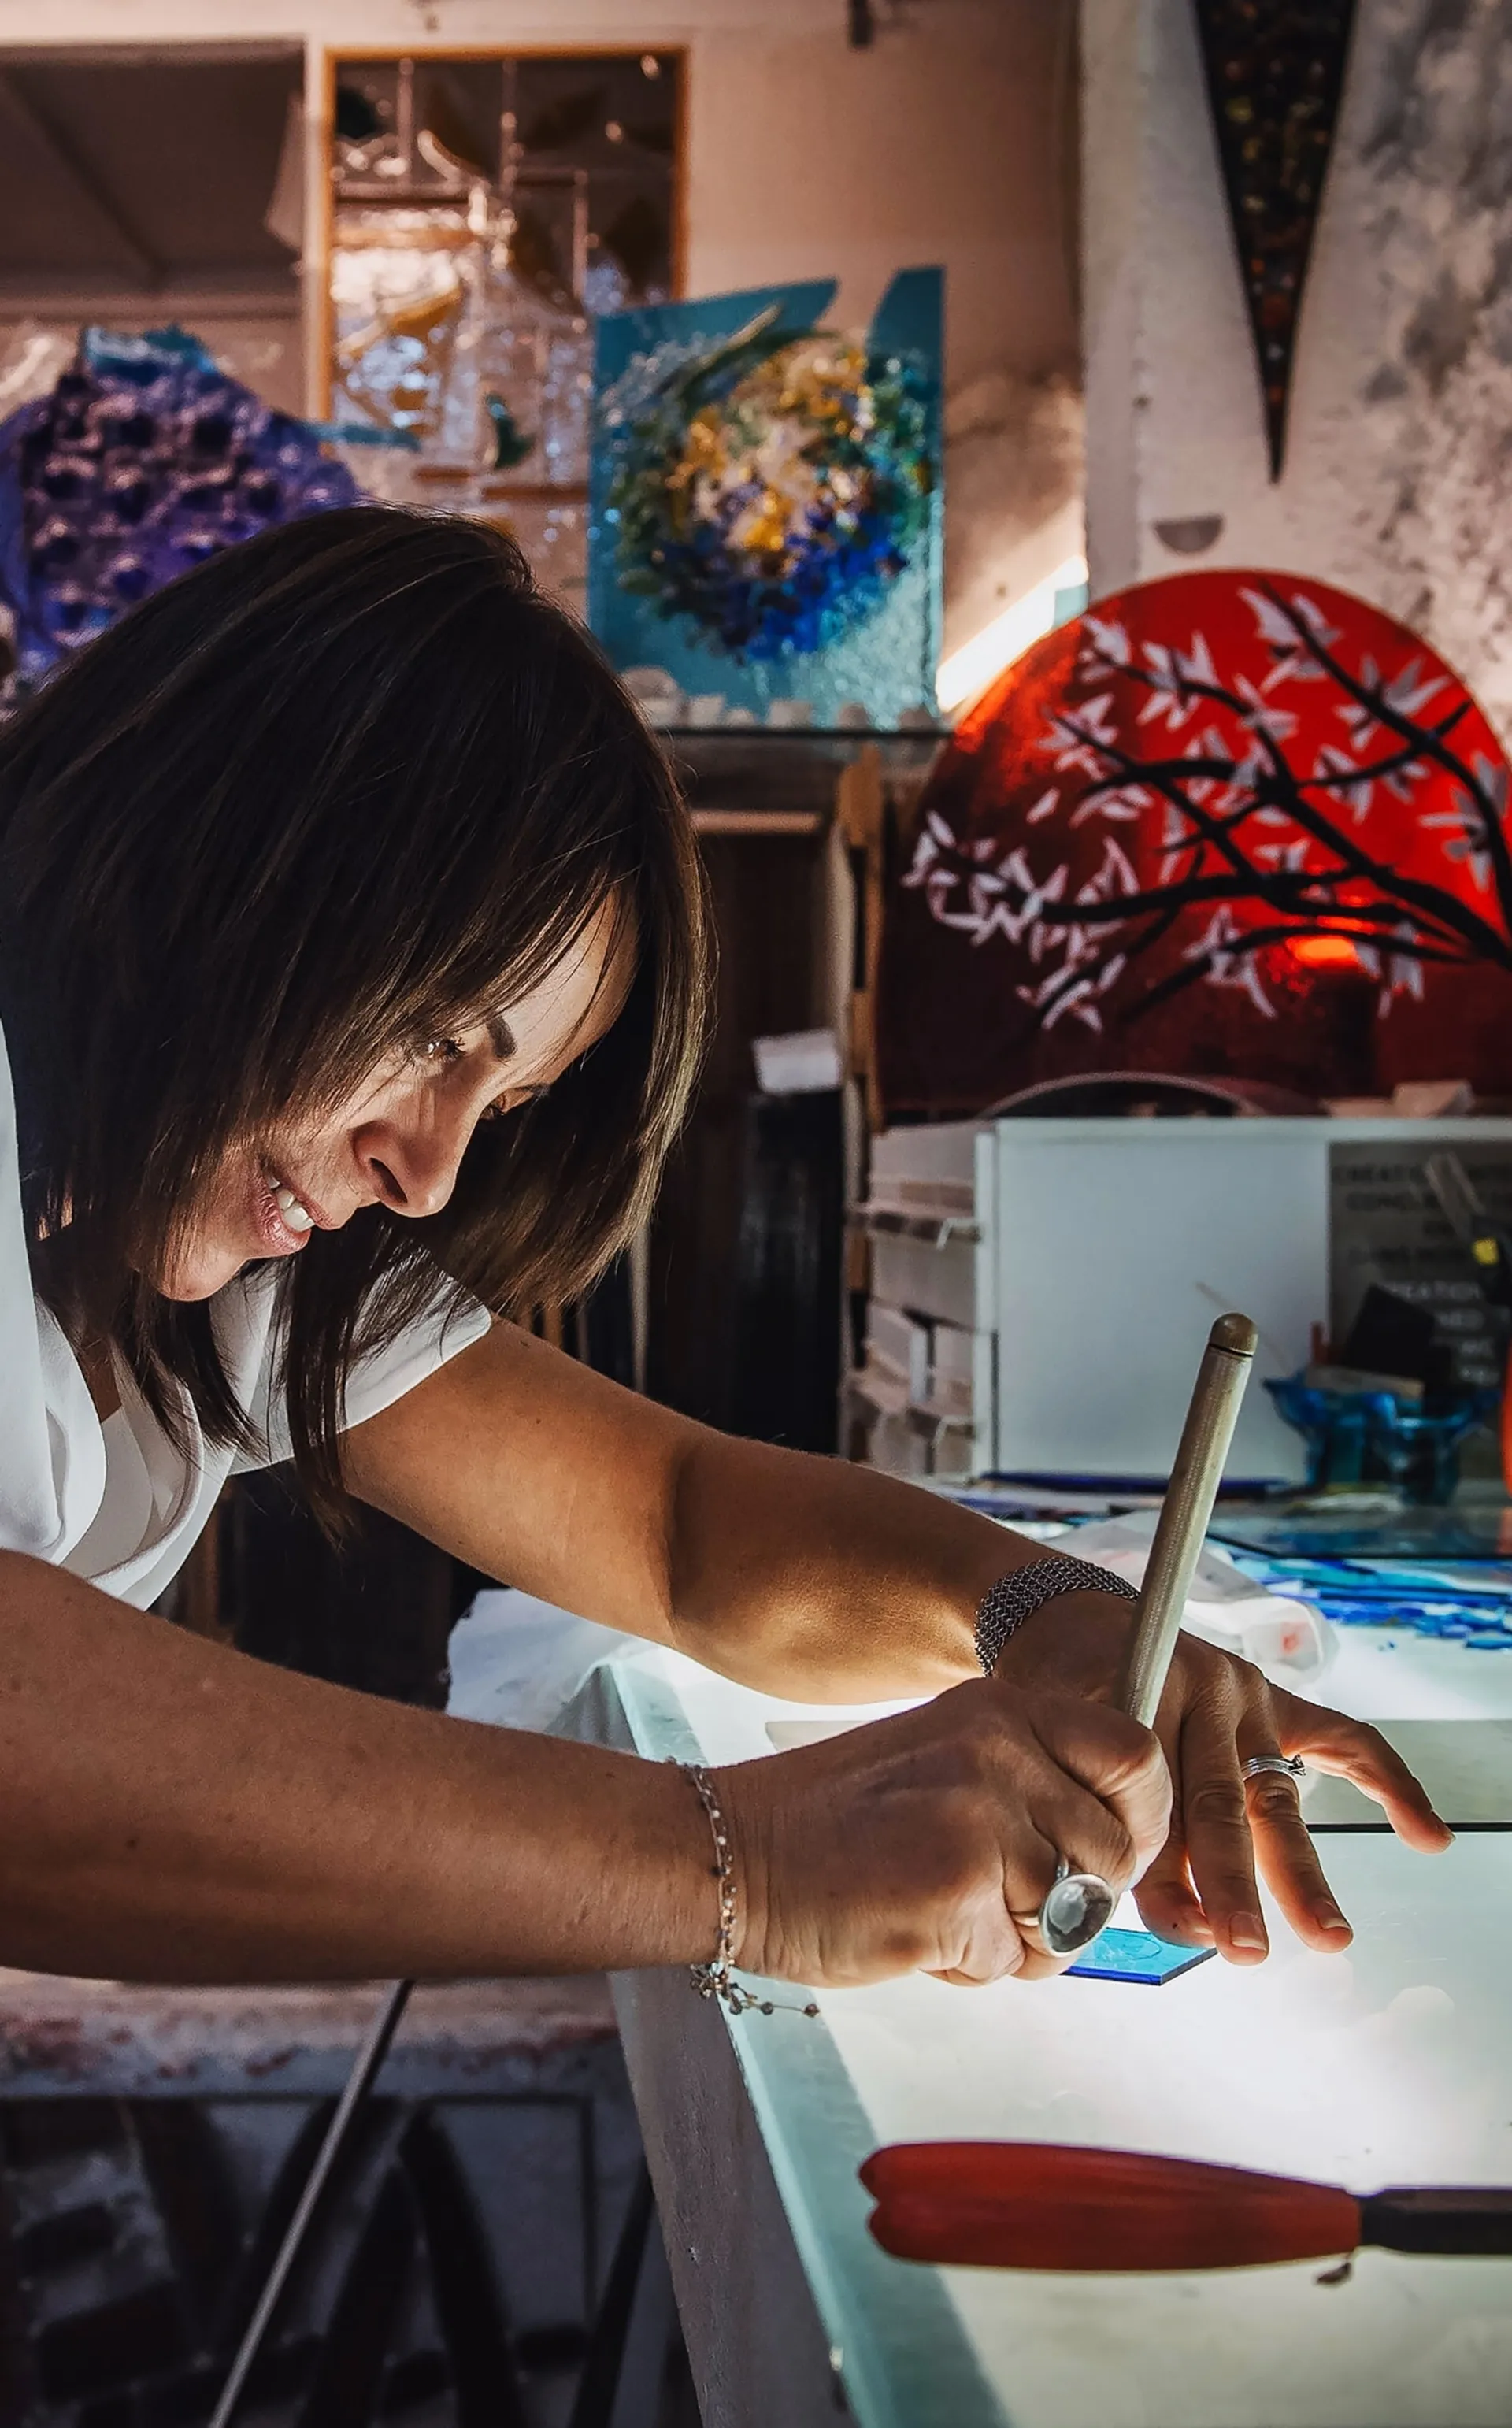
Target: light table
(1391,2065)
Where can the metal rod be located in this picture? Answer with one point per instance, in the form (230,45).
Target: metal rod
(1187,1511)
(359,2082)
(1080,1905)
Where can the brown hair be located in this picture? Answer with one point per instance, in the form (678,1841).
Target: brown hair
(339,790)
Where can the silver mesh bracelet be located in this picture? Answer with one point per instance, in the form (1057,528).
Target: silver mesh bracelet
(1005,1606)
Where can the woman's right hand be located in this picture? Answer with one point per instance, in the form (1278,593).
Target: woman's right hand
(911,1843)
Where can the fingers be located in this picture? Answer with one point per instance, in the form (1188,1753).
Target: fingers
(1228,1829)
(1288,1855)
(1004,1944)
(1123,1771)
(1168,1903)
(931,1839)
(1289,1861)
(1067,1783)
(997,1935)
(1327,1741)
(1237,1830)
(1215,1825)
(1049,1822)
(1100,1794)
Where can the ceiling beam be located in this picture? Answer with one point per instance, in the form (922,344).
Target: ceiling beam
(57,303)
(79,173)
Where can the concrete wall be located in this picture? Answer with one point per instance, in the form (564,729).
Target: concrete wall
(1398,480)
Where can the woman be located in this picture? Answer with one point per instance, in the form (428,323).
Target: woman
(351,973)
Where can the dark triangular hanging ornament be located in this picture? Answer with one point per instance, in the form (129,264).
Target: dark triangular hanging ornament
(1275,73)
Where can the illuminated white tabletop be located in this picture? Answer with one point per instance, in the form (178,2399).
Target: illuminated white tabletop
(1391,2065)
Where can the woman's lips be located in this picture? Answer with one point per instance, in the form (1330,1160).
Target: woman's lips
(295,1212)
(284,1218)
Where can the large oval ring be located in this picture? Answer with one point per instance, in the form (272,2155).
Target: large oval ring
(1288,1765)
(1078,1908)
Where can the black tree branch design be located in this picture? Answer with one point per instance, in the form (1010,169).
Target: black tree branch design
(1274,852)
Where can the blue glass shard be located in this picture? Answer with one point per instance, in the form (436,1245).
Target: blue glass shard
(1136,1956)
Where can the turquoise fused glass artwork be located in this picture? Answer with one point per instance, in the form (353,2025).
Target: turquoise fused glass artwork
(765,516)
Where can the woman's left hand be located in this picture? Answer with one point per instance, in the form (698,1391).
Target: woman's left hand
(1215,1715)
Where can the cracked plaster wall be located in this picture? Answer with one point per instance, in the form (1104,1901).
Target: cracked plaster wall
(1398,479)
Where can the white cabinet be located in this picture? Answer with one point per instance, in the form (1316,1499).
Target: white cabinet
(1092,1257)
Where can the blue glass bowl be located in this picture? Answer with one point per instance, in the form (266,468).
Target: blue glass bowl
(1363,1437)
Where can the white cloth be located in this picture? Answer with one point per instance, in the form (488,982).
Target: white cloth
(117,1503)
(517,1661)
(1290,1640)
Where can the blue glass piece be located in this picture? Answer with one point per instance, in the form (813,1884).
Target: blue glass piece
(1466,1602)
(1136,1956)
(142,435)
(106,353)
(1360,1436)
(364,433)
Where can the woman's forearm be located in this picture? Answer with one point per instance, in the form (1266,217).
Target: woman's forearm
(172,1810)
(826,1581)
(805,1576)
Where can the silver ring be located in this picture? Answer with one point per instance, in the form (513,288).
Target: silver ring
(1288,1765)
(1078,1908)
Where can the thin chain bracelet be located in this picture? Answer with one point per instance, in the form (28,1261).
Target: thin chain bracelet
(715,1979)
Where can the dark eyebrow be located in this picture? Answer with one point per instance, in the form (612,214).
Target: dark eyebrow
(500,1036)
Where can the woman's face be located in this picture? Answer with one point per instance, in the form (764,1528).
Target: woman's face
(399,1138)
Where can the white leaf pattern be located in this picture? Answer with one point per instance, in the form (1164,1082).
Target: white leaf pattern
(1214,788)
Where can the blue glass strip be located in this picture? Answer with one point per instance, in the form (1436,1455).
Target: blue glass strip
(1136,1956)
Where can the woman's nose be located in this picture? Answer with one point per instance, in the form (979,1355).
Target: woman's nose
(412,1169)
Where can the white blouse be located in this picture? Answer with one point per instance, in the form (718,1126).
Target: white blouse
(118,1502)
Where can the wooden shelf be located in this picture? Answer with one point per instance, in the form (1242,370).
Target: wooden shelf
(902,1222)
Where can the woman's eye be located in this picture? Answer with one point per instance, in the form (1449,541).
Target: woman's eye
(442,1049)
(513,1103)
